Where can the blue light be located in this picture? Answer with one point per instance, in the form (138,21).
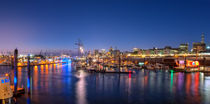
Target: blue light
(66,60)
(15,80)
(6,80)
(2,81)
(28,83)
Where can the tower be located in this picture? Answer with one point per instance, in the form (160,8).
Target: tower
(202,38)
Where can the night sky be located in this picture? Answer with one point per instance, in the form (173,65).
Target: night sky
(49,24)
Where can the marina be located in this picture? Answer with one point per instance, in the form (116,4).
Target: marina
(104,52)
(81,87)
(20,88)
(23,84)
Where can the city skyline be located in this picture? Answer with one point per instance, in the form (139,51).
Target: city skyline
(104,52)
(100,24)
(202,46)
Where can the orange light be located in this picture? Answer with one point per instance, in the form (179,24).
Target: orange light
(35,68)
(19,69)
(193,63)
(146,62)
(6,75)
(197,63)
(19,64)
(42,67)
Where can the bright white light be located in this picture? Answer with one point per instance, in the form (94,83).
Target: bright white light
(81,50)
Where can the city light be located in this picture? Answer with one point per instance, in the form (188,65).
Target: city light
(105,52)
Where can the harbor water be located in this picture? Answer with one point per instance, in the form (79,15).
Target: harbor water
(62,84)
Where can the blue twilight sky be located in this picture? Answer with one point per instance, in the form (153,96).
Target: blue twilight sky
(39,24)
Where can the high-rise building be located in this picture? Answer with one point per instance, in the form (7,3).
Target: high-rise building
(199,46)
(183,48)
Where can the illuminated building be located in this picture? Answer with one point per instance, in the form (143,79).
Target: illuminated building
(170,50)
(136,50)
(111,50)
(103,51)
(199,47)
(183,48)
(116,52)
(167,49)
(96,52)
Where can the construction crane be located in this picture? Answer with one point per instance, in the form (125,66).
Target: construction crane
(80,46)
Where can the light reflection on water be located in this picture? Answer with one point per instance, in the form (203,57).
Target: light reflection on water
(59,83)
(81,88)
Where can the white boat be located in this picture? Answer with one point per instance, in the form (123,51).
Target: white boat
(150,67)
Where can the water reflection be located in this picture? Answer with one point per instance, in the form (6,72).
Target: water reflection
(62,84)
(81,88)
(171,84)
(129,88)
